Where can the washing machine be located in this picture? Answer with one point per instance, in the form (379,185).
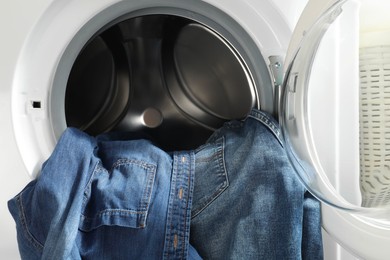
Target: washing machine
(169,69)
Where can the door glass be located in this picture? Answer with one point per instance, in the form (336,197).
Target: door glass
(336,108)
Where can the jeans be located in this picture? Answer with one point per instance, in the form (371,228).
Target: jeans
(249,203)
(235,197)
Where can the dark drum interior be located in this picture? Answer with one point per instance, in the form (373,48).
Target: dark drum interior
(167,77)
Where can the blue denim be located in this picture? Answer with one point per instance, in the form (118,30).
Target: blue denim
(99,199)
(248,201)
(235,197)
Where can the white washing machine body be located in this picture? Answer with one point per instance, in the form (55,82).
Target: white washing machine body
(17,20)
(43,40)
(41,34)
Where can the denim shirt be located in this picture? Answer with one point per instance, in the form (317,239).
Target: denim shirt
(107,200)
(235,197)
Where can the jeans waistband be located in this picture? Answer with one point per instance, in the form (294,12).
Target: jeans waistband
(267,120)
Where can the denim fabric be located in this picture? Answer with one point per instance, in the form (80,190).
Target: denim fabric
(248,201)
(107,200)
(235,197)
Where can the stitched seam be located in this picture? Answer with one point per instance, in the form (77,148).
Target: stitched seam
(213,197)
(169,226)
(147,193)
(144,165)
(88,186)
(186,215)
(223,186)
(269,124)
(222,161)
(209,158)
(27,232)
(143,204)
(113,212)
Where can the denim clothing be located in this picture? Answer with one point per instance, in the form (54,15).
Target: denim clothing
(107,200)
(235,197)
(248,201)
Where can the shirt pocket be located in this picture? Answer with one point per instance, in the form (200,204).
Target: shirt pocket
(211,177)
(119,196)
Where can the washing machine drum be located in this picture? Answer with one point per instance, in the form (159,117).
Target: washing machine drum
(168,76)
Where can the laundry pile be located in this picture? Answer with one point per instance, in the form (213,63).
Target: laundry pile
(114,197)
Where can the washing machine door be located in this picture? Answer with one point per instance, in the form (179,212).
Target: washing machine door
(334,112)
(335,116)
(308,103)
